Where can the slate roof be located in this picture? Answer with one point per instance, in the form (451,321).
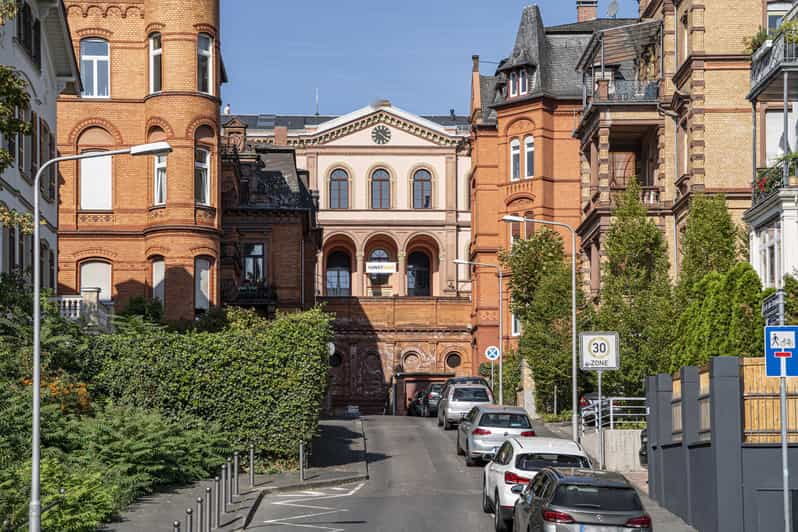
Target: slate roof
(299,122)
(597,24)
(274,181)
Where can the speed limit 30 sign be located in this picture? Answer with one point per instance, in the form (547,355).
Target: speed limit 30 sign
(599,350)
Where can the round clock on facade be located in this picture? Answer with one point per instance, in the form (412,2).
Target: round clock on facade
(381,134)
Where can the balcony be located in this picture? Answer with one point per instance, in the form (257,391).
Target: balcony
(771,179)
(774,57)
(256,294)
(649,195)
(86,308)
(623,91)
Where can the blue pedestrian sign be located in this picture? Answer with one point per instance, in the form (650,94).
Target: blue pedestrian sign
(781,351)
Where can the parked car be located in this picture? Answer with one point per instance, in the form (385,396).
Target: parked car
(414,409)
(644,447)
(458,400)
(468,380)
(575,500)
(486,427)
(517,462)
(432,396)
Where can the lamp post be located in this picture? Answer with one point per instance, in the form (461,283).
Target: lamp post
(155,148)
(501,313)
(521,219)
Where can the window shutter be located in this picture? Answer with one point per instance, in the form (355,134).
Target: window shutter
(96,274)
(36,52)
(202,284)
(52,173)
(34,145)
(158,279)
(95,184)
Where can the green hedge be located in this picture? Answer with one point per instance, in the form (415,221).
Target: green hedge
(261,381)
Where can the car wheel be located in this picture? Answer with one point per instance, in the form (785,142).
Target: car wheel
(440,423)
(485,500)
(470,462)
(499,524)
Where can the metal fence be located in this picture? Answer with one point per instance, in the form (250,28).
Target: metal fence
(616,413)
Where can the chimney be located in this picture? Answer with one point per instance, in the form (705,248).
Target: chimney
(586,10)
(280,136)
(474,63)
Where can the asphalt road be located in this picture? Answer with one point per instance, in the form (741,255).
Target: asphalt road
(417,483)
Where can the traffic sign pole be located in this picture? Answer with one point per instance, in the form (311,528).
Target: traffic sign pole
(785,463)
(600,423)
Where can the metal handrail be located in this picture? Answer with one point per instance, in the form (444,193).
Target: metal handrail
(614,410)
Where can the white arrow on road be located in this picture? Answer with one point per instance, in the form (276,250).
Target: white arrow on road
(302,503)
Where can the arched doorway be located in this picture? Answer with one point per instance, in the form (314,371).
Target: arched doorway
(418,275)
(338,282)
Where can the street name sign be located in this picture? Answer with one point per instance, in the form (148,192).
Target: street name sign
(599,350)
(492,352)
(772,306)
(780,346)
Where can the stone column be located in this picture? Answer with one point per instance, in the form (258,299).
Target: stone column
(359,277)
(401,269)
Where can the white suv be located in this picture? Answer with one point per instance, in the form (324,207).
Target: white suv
(517,462)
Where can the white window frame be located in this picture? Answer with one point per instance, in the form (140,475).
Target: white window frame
(95,69)
(523,82)
(209,54)
(87,185)
(159,279)
(770,239)
(105,292)
(202,283)
(206,166)
(515,327)
(515,155)
(155,52)
(513,84)
(529,147)
(159,164)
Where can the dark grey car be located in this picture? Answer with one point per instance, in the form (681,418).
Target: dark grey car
(576,500)
(432,396)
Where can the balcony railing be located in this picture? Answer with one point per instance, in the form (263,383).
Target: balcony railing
(625,91)
(769,180)
(649,195)
(771,56)
(86,308)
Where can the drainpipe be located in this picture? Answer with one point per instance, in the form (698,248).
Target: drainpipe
(302,273)
(675,118)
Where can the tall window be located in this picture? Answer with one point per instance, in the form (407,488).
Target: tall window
(254,271)
(770,255)
(524,82)
(158,279)
(29,33)
(339,273)
(422,190)
(515,232)
(339,189)
(12,248)
(529,156)
(776,12)
(94,68)
(202,188)
(96,274)
(513,84)
(96,188)
(529,227)
(515,160)
(156,64)
(202,284)
(418,274)
(159,191)
(51,264)
(205,63)
(380,189)
(516,325)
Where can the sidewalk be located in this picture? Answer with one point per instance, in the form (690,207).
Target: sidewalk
(662,518)
(338,457)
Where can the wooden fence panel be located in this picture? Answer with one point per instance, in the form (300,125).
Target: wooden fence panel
(761,409)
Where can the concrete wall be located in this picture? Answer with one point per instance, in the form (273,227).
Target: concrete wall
(621,449)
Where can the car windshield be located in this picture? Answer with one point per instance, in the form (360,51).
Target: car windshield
(597,497)
(470,394)
(436,388)
(507,421)
(537,461)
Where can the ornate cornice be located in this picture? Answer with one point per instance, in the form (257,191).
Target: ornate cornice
(120,9)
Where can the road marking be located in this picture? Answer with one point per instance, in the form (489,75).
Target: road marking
(305,498)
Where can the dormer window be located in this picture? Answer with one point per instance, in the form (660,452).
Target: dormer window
(524,82)
(513,84)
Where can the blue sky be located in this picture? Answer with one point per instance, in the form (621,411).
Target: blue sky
(416,53)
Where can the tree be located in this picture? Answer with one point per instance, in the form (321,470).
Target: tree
(710,240)
(636,295)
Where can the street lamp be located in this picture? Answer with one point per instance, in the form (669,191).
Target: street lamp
(501,312)
(154,148)
(521,219)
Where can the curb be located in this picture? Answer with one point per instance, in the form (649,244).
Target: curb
(262,492)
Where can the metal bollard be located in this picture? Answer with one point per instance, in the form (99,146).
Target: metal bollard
(302,461)
(235,474)
(229,480)
(208,509)
(224,489)
(251,465)
(176,526)
(189,520)
(200,515)
(218,505)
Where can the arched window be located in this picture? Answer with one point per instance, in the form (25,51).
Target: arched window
(205,63)
(379,255)
(529,156)
(202,165)
(524,82)
(339,272)
(529,227)
(422,190)
(515,160)
(96,274)
(202,284)
(418,278)
(95,72)
(156,63)
(513,84)
(339,189)
(158,279)
(380,189)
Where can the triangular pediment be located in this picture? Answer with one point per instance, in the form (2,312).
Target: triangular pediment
(234,122)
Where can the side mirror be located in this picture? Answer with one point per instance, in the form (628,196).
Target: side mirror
(489,456)
(517,489)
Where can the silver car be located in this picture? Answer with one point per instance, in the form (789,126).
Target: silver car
(458,401)
(578,500)
(487,427)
